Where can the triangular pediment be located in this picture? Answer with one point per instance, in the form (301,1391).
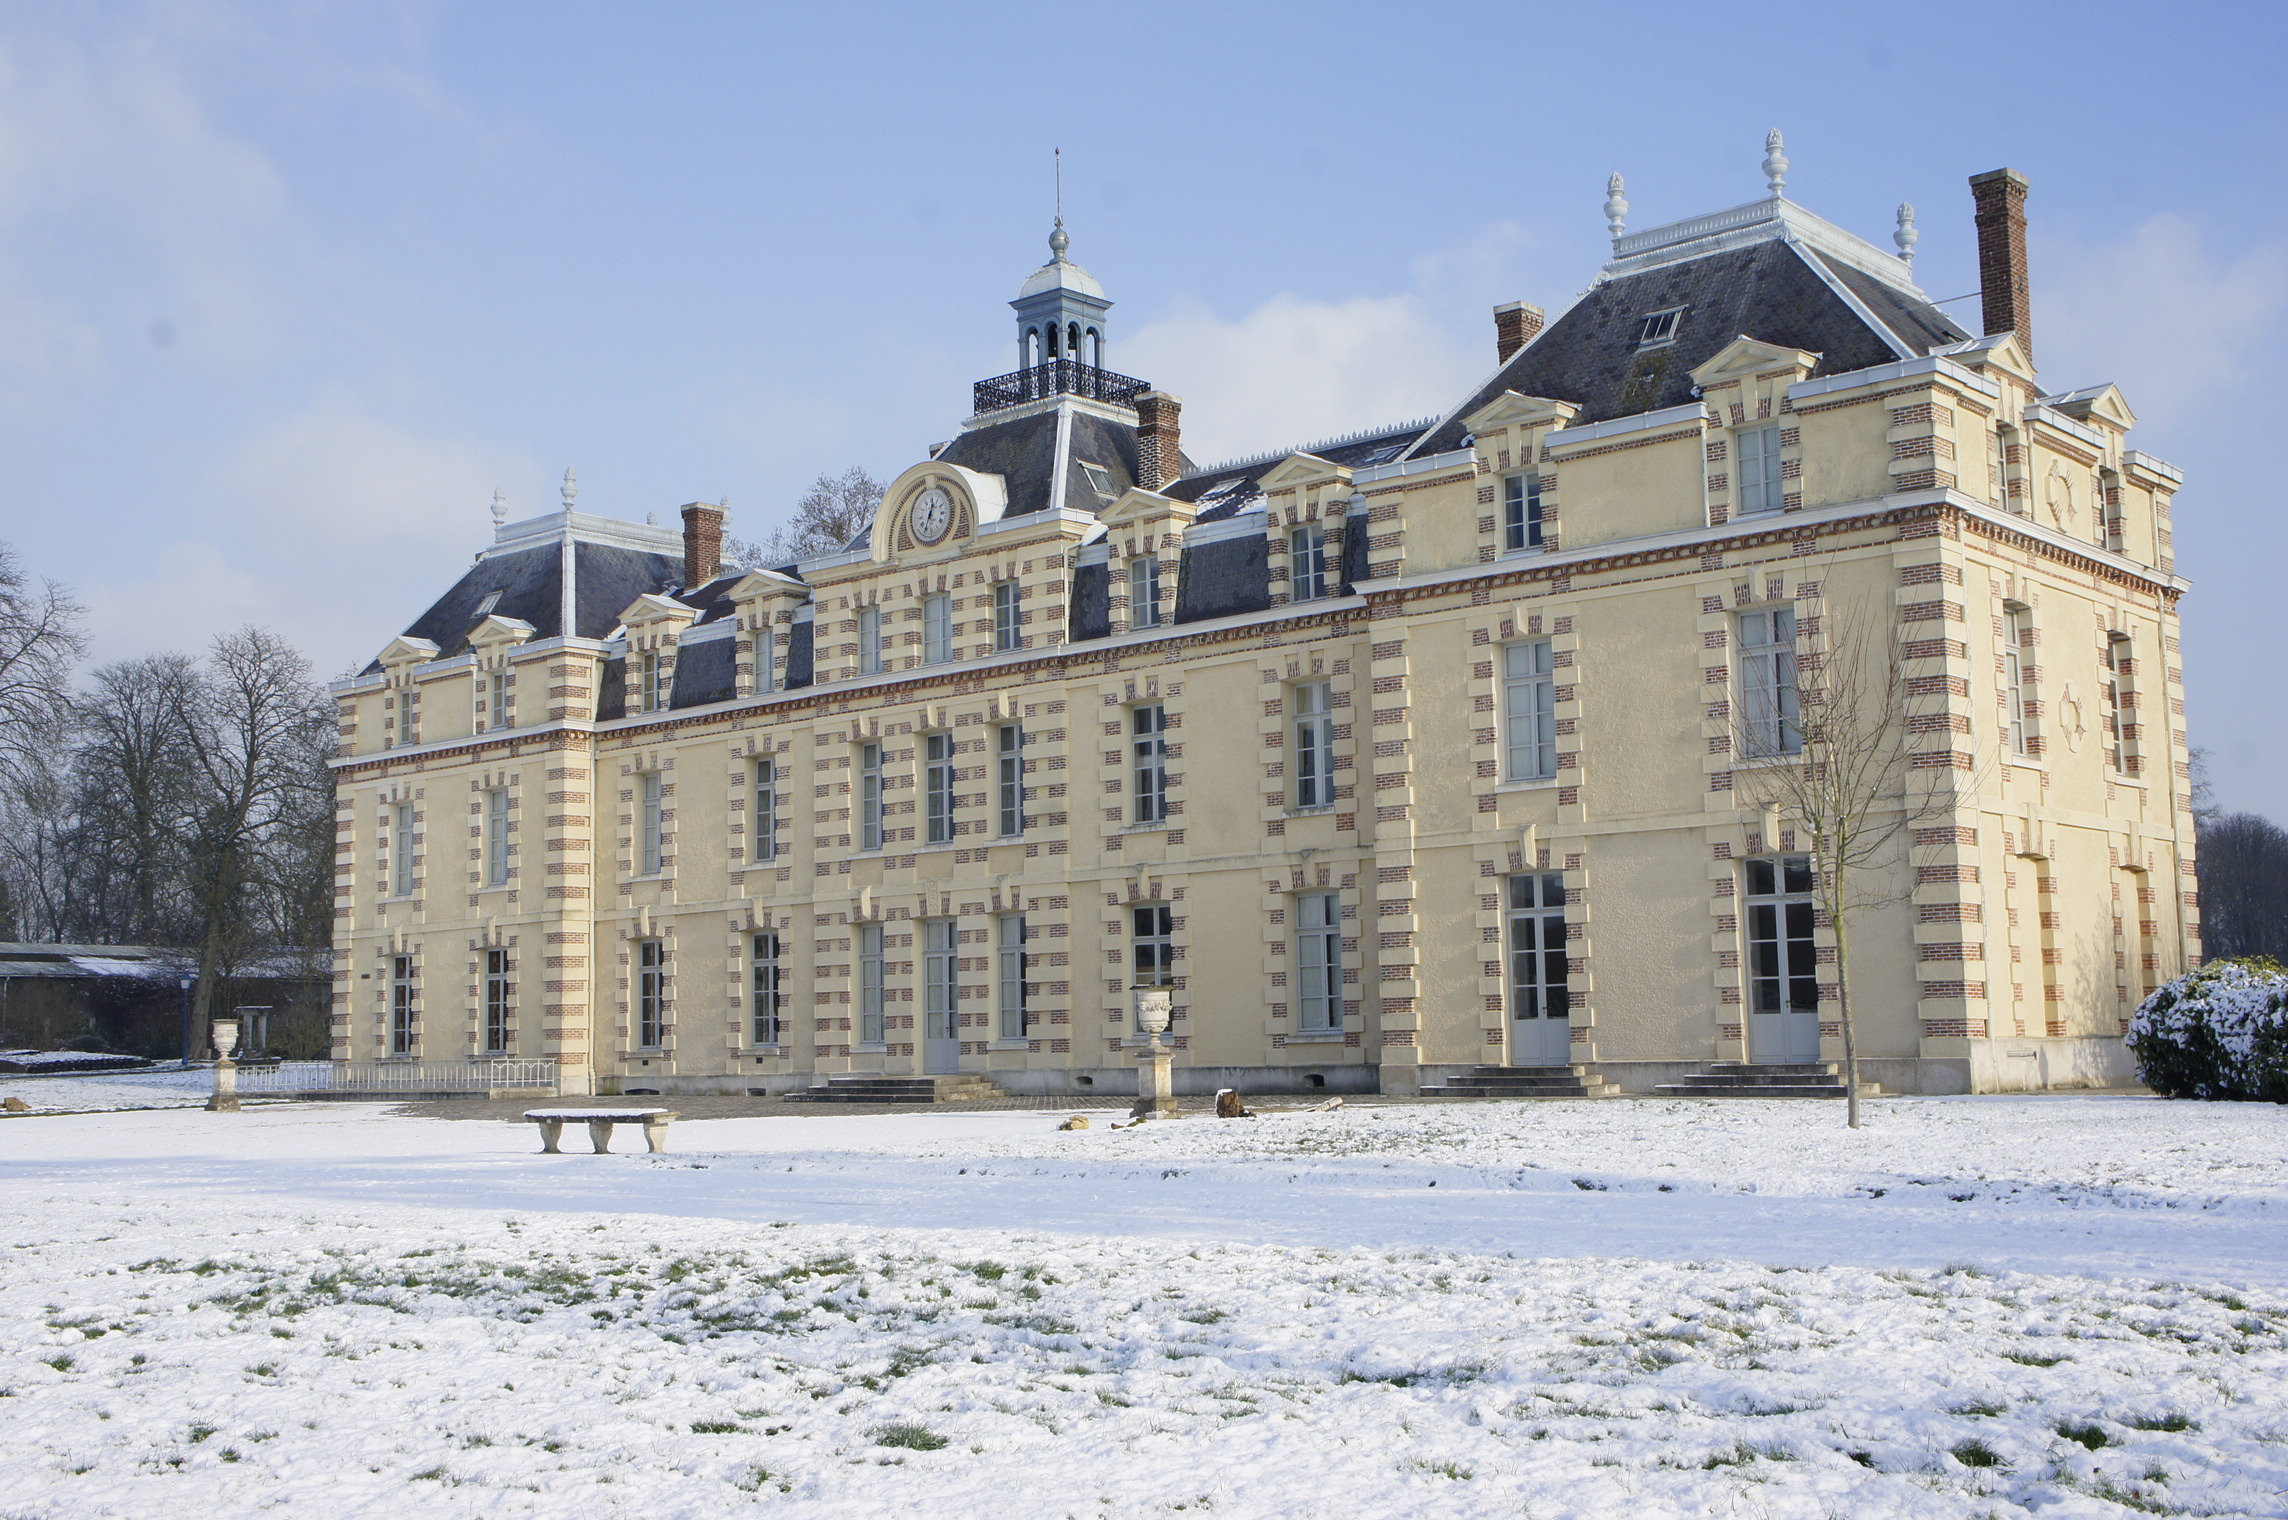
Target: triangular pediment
(1751,356)
(405,649)
(760,583)
(1516,409)
(2103,403)
(1295,470)
(494,630)
(1139,505)
(651,607)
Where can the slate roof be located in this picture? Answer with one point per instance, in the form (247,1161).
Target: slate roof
(1228,490)
(530,581)
(1023,452)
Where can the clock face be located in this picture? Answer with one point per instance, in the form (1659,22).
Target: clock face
(933,514)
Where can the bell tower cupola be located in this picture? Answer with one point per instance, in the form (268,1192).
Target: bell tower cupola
(1060,312)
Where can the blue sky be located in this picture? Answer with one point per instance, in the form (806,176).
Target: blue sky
(287,289)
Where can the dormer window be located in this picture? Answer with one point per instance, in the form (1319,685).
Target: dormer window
(485,607)
(1659,328)
(1099,479)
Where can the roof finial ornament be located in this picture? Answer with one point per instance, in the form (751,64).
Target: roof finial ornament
(1906,237)
(1775,162)
(571,489)
(500,506)
(1616,206)
(1058,242)
(651,519)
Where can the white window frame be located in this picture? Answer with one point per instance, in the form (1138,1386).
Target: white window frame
(1781,976)
(1771,714)
(937,628)
(765,648)
(1307,563)
(870,641)
(651,823)
(499,1000)
(651,994)
(1538,965)
(1148,727)
(1152,945)
(1658,328)
(870,831)
(2116,664)
(941,977)
(498,709)
(1008,612)
(1529,711)
(401,851)
(763,828)
(404,1006)
(1313,727)
(1144,591)
(2017,624)
(1318,962)
(496,837)
(1757,485)
(937,787)
(1521,511)
(647,681)
(766,1027)
(1009,966)
(1009,763)
(871,969)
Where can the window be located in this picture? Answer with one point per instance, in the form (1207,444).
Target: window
(2115,670)
(1009,963)
(401,1005)
(1005,611)
(496,837)
(1152,942)
(1009,742)
(768,1007)
(1529,706)
(1759,487)
(651,825)
(937,628)
(763,653)
(1099,480)
(1306,563)
(2017,637)
(766,821)
(496,700)
(1783,960)
(496,1001)
(869,641)
(1998,465)
(401,851)
(1658,328)
(1521,511)
(937,786)
(1318,961)
(941,979)
(1537,988)
(1144,592)
(1314,745)
(1150,727)
(869,984)
(651,993)
(648,681)
(1770,718)
(485,607)
(869,796)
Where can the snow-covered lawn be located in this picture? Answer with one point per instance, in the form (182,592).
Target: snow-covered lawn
(110,1091)
(2071,1307)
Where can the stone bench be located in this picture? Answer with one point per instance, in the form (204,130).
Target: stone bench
(600,1121)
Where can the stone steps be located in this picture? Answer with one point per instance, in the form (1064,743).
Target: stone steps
(872,1087)
(1778,1079)
(1523,1082)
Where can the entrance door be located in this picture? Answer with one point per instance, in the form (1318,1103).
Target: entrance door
(1540,1026)
(1783,962)
(941,999)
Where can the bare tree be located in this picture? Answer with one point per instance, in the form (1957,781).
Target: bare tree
(2243,863)
(836,509)
(133,782)
(39,642)
(1829,754)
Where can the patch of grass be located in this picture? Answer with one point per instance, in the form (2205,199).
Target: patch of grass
(716,1427)
(199,1433)
(2033,1359)
(1985,1407)
(2129,1496)
(908,1437)
(2089,1434)
(1976,1454)
(61,1362)
(2171,1422)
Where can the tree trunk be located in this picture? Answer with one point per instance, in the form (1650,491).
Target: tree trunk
(1843,1008)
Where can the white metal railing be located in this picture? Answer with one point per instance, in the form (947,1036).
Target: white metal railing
(397,1076)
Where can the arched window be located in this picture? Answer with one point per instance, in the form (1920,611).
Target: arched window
(1051,355)
(1031,349)
(1072,341)
(1095,348)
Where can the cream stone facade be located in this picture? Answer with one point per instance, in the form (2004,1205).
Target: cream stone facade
(1394,757)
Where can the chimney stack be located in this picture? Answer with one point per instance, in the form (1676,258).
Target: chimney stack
(2005,302)
(1158,458)
(1514,326)
(702,544)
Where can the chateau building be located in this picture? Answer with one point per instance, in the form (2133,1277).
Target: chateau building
(1394,756)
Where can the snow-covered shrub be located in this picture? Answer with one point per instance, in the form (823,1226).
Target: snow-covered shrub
(2219,1032)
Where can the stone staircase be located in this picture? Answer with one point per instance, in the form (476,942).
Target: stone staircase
(1523,1082)
(1740,1079)
(864,1087)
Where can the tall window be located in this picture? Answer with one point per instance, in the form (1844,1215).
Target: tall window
(648,681)
(941,979)
(1306,562)
(1537,988)
(1314,744)
(496,1001)
(401,1005)
(1009,963)
(869,984)
(2114,670)
(1144,591)
(1521,511)
(2017,635)
(1998,463)
(763,660)
(1009,763)
(401,851)
(1529,707)
(651,825)
(869,796)
(766,822)
(1152,943)
(1005,610)
(651,993)
(496,837)
(937,628)
(1149,726)
(1318,960)
(869,641)
(1783,960)
(937,786)
(1759,470)
(496,700)
(767,1004)
(1770,712)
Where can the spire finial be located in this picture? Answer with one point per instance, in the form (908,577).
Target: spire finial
(1775,161)
(1616,206)
(571,489)
(1058,242)
(1906,237)
(500,506)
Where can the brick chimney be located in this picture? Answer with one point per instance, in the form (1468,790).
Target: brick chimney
(1158,459)
(1514,326)
(2006,303)
(702,544)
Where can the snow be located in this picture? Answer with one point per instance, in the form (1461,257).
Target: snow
(2071,1306)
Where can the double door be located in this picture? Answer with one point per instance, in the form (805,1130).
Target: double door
(941,998)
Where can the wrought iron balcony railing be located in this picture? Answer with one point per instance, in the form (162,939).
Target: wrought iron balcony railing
(1059,377)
